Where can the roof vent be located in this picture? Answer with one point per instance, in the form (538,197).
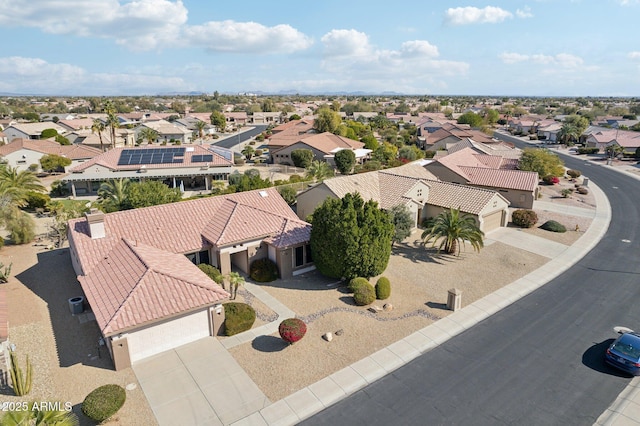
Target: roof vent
(263,193)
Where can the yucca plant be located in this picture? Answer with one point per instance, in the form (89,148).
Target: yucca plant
(21,382)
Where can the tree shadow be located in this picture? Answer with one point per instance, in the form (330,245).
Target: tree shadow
(76,336)
(594,359)
(417,252)
(348,300)
(268,344)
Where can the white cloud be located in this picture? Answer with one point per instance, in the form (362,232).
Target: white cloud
(524,13)
(231,36)
(474,15)
(410,68)
(37,76)
(633,55)
(564,60)
(628,2)
(148,24)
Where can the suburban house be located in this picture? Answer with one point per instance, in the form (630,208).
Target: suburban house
(76,124)
(493,172)
(30,130)
(137,268)
(22,153)
(167,132)
(190,167)
(548,131)
(603,138)
(87,137)
(414,186)
(290,132)
(236,119)
(324,146)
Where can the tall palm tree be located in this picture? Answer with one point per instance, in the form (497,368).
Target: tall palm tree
(113,195)
(200,125)
(98,127)
(112,120)
(319,170)
(148,134)
(453,229)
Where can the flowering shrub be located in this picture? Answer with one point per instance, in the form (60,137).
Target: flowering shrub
(292,329)
(551,180)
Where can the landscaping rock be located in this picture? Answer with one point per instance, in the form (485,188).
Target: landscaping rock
(328,336)
(339,332)
(388,307)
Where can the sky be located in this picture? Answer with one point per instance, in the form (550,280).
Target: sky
(412,47)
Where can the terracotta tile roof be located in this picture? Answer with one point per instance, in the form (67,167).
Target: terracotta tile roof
(501,178)
(36,129)
(327,142)
(45,146)
(110,159)
(297,126)
(77,123)
(190,226)
(136,284)
(202,116)
(468,199)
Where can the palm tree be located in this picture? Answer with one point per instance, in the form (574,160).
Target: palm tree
(200,125)
(151,135)
(39,417)
(113,195)
(16,185)
(453,230)
(98,127)
(248,152)
(235,281)
(318,170)
(112,121)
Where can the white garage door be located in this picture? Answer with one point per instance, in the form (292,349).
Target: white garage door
(168,335)
(492,221)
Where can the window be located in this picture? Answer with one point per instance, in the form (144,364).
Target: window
(299,256)
(203,257)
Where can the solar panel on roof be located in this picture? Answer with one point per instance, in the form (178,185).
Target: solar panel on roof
(178,160)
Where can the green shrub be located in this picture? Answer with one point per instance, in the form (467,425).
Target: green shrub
(292,329)
(212,272)
(566,192)
(37,200)
(551,180)
(524,218)
(582,190)
(588,150)
(383,288)
(364,294)
(574,173)
(263,270)
(356,282)
(104,402)
(553,226)
(239,317)
(59,189)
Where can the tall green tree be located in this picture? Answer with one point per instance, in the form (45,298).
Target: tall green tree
(402,222)
(112,121)
(543,161)
(450,230)
(350,237)
(319,170)
(302,157)
(471,118)
(148,134)
(248,152)
(345,160)
(54,163)
(326,120)
(17,184)
(113,195)
(200,125)
(218,120)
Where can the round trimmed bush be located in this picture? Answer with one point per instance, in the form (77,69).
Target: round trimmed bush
(212,272)
(238,317)
(553,226)
(292,329)
(364,294)
(383,288)
(524,218)
(573,174)
(582,190)
(357,282)
(104,402)
(263,270)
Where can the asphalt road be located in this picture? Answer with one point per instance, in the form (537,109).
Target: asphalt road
(536,362)
(232,141)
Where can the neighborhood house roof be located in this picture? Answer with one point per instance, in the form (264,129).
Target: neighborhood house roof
(327,142)
(45,146)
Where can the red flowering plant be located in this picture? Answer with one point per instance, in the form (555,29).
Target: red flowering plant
(292,329)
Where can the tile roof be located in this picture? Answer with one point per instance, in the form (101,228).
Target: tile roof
(189,226)
(36,129)
(110,159)
(326,142)
(135,284)
(77,123)
(468,199)
(45,146)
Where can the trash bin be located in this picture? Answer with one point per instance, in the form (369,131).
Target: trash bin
(76,305)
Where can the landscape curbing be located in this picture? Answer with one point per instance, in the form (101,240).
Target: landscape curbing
(375,366)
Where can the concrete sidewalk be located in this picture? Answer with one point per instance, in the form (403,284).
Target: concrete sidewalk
(314,398)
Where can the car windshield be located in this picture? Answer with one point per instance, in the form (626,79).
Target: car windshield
(628,345)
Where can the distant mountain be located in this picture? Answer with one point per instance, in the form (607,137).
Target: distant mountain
(181,94)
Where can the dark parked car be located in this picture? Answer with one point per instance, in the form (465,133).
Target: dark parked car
(624,353)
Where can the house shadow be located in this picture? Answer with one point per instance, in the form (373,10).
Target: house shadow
(594,359)
(416,252)
(268,344)
(311,281)
(77,336)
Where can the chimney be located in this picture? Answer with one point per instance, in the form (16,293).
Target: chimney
(95,219)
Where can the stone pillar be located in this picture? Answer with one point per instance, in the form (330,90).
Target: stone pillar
(454,299)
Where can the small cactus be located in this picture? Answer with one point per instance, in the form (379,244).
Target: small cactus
(5,271)
(21,383)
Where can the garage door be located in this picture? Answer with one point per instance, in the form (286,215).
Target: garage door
(492,221)
(168,335)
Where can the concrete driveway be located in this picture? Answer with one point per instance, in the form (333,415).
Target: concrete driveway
(198,384)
